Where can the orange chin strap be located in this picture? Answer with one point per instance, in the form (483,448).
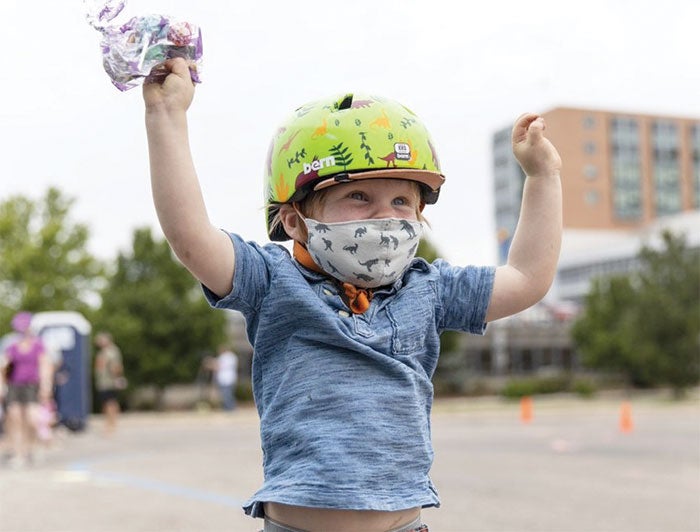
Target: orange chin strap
(357,299)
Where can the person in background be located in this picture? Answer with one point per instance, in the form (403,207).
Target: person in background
(225,368)
(4,342)
(26,379)
(109,379)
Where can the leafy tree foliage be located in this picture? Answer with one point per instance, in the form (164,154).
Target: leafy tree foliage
(647,324)
(427,250)
(157,314)
(44,263)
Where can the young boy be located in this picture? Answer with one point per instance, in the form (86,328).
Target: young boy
(346,332)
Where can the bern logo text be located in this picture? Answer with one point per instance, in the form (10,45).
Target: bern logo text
(402,151)
(317,164)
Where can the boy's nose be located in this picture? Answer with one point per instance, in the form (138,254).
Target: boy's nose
(384,211)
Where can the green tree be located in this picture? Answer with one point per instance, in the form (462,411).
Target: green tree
(427,250)
(647,324)
(44,262)
(158,316)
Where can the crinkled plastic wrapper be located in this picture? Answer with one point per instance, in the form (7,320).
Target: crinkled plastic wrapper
(100,12)
(131,52)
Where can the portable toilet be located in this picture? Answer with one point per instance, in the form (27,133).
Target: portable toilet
(67,338)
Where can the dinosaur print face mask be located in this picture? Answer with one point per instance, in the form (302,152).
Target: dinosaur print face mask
(365,253)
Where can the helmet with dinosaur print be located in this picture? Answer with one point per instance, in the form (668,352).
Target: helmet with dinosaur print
(346,138)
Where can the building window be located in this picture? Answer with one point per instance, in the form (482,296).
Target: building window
(666,170)
(626,170)
(695,154)
(508,185)
(592,197)
(590,171)
(589,122)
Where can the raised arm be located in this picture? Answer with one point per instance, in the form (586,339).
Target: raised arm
(205,251)
(534,251)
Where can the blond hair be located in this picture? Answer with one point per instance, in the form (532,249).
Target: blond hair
(314,200)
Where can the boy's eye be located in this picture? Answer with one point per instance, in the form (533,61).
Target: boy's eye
(400,201)
(357,196)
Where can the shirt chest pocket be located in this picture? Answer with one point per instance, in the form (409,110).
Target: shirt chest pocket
(412,317)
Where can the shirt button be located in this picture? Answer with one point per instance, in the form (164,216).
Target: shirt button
(344,313)
(327,292)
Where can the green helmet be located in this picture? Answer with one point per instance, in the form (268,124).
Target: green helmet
(342,139)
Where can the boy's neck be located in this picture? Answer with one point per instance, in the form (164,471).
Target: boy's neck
(357,299)
(303,257)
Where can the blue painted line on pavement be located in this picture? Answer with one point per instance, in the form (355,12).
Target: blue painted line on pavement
(158,486)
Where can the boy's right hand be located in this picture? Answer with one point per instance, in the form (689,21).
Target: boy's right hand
(172,94)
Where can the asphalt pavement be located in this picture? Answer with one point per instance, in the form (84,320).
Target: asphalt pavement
(574,467)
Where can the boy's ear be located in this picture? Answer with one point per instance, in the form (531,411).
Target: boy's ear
(293,224)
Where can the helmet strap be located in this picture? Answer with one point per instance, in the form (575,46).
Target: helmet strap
(357,299)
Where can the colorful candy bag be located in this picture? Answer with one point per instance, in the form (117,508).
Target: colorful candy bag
(132,52)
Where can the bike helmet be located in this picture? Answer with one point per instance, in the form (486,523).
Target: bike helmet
(342,139)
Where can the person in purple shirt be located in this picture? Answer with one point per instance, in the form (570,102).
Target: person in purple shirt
(26,375)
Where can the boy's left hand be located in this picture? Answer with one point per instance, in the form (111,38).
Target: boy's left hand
(536,154)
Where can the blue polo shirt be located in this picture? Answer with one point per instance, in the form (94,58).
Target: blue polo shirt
(344,399)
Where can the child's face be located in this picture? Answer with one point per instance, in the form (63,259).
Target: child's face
(369,199)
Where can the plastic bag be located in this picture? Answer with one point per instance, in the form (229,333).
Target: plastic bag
(132,52)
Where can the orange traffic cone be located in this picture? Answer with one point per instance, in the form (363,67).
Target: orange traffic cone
(626,423)
(526,414)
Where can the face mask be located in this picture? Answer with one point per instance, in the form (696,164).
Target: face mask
(365,253)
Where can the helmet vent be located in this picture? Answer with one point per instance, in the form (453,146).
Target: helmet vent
(345,103)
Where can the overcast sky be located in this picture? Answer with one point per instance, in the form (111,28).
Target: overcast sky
(467,69)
